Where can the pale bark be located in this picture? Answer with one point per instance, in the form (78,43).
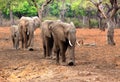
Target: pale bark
(40,10)
(62,12)
(11,17)
(109,16)
(110,32)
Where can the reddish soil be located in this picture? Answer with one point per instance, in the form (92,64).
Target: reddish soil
(94,63)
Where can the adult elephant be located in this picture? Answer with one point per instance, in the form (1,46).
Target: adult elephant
(26,28)
(47,38)
(64,35)
(15,35)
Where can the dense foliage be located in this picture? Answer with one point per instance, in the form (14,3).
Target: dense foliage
(25,8)
(74,9)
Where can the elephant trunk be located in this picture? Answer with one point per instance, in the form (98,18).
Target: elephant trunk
(17,42)
(71,61)
(72,40)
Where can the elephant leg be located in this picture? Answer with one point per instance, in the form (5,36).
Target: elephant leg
(57,52)
(57,56)
(17,42)
(13,42)
(24,40)
(53,56)
(21,38)
(71,61)
(30,41)
(44,47)
(50,46)
(47,48)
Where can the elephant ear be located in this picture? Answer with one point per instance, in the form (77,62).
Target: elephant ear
(59,30)
(45,28)
(36,21)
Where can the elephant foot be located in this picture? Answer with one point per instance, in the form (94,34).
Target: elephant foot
(71,63)
(53,57)
(30,49)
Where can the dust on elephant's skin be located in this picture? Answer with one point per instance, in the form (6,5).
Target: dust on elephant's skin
(26,28)
(47,38)
(64,35)
(15,35)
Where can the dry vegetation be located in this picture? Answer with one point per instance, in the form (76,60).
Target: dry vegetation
(98,63)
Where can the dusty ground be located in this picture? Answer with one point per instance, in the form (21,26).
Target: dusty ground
(98,63)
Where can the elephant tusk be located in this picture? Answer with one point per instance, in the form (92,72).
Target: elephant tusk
(78,43)
(70,43)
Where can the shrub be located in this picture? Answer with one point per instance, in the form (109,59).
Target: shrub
(93,23)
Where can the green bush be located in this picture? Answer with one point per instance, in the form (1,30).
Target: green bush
(93,23)
(50,18)
(77,23)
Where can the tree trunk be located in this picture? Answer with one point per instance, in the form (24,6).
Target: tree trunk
(62,12)
(11,17)
(83,20)
(110,32)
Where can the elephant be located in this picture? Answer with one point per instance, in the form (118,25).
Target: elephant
(26,29)
(15,35)
(47,38)
(36,22)
(64,36)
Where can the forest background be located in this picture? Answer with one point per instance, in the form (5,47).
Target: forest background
(82,12)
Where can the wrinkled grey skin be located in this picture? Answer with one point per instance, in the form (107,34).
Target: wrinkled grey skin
(26,28)
(15,36)
(36,22)
(47,37)
(64,35)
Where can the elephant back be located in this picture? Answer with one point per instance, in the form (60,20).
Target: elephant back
(45,28)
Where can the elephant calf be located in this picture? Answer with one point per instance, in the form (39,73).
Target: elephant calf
(15,36)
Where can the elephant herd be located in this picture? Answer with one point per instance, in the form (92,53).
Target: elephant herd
(57,38)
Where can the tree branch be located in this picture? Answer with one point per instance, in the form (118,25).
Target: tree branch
(99,7)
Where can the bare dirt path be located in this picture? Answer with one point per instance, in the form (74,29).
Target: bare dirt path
(99,63)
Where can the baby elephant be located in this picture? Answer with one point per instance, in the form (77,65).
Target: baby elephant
(15,36)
